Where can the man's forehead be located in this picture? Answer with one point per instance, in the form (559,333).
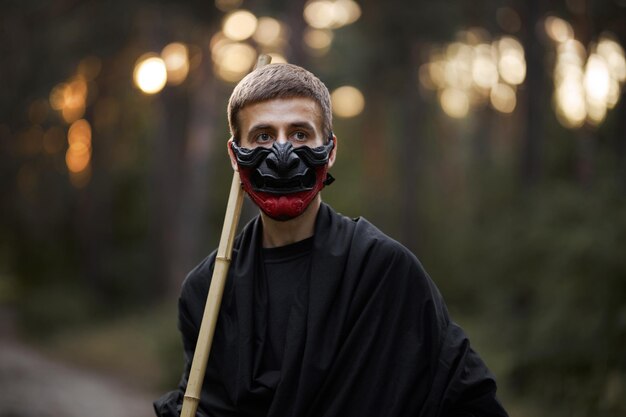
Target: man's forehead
(293,110)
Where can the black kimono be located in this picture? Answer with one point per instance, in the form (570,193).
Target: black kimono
(368,334)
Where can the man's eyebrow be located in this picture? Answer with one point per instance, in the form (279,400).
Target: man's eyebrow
(266,126)
(261,126)
(304,125)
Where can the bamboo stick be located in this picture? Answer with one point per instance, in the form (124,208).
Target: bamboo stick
(216,290)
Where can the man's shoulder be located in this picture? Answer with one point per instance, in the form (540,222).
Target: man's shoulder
(366,245)
(373,239)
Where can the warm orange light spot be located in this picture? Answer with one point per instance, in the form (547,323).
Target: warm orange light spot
(79,132)
(484,69)
(269,32)
(318,40)
(613,53)
(597,80)
(234,60)
(70,98)
(239,25)
(326,14)
(76,159)
(319,14)
(511,62)
(558,29)
(503,98)
(73,113)
(347,101)
(176,59)
(57,97)
(454,102)
(150,74)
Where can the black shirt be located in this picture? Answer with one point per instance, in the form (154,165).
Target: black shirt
(284,268)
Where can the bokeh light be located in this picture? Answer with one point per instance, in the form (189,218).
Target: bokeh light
(347,101)
(232,61)
(78,154)
(613,53)
(318,40)
(326,14)
(176,59)
(150,74)
(77,157)
(70,98)
(457,69)
(319,14)
(79,132)
(57,97)
(502,98)
(484,69)
(597,80)
(558,29)
(511,61)
(454,102)
(239,25)
(587,83)
(269,32)
(472,70)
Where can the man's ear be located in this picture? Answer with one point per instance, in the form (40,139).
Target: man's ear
(333,153)
(233,160)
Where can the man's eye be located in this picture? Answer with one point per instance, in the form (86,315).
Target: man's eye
(300,136)
(263,137)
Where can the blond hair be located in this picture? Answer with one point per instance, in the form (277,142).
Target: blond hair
(279,81)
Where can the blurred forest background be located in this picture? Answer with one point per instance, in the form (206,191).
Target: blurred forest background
(487,136)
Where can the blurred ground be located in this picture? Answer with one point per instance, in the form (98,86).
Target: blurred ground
(34,385)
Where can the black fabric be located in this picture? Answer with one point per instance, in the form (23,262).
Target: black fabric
(368,334)
(285,267)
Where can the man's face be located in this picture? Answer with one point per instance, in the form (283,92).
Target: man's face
(296,120)
(280,182)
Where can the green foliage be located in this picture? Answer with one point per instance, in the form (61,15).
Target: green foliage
(539,279)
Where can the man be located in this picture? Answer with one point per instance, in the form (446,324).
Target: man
(322,315)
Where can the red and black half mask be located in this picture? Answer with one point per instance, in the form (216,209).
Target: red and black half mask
(283,180)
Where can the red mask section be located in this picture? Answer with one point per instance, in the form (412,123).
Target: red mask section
(287,206)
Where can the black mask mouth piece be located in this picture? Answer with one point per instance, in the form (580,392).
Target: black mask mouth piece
(283,168)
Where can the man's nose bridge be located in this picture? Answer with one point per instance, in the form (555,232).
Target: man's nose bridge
(281,137)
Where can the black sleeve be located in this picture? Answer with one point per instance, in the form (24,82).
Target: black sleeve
(465,385)
(462,385)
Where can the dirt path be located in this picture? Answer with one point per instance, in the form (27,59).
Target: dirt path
(34,386)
